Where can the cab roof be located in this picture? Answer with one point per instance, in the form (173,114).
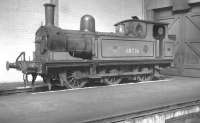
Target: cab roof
(138,20)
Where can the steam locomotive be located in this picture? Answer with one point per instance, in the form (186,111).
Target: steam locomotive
(74,58)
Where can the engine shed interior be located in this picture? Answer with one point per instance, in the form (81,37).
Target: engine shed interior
(145,71)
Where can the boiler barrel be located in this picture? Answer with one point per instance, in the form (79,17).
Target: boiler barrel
(77,44)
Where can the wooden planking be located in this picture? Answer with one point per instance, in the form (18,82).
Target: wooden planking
(156,4)
(186,26)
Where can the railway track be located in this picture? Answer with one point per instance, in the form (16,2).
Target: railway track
(44,88)
(14,91)
(28,89)
(21,90)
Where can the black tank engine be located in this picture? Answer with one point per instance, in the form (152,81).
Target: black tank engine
(135,52)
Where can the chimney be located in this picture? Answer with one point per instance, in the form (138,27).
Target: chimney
(49,14)
(56,13)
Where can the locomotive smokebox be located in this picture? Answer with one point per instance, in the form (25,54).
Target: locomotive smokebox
(49,14)
(87,23)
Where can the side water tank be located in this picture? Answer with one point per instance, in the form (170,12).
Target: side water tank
(87,23)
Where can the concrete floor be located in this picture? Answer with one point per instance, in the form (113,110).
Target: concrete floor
(73,106)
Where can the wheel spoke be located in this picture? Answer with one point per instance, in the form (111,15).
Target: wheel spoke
(113,80)
(74,79)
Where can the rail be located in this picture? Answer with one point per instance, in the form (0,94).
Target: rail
(161,114)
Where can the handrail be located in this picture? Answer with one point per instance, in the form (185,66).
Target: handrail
(21,54)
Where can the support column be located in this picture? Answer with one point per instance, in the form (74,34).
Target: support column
(148,13)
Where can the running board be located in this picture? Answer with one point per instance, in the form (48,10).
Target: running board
(98,76)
